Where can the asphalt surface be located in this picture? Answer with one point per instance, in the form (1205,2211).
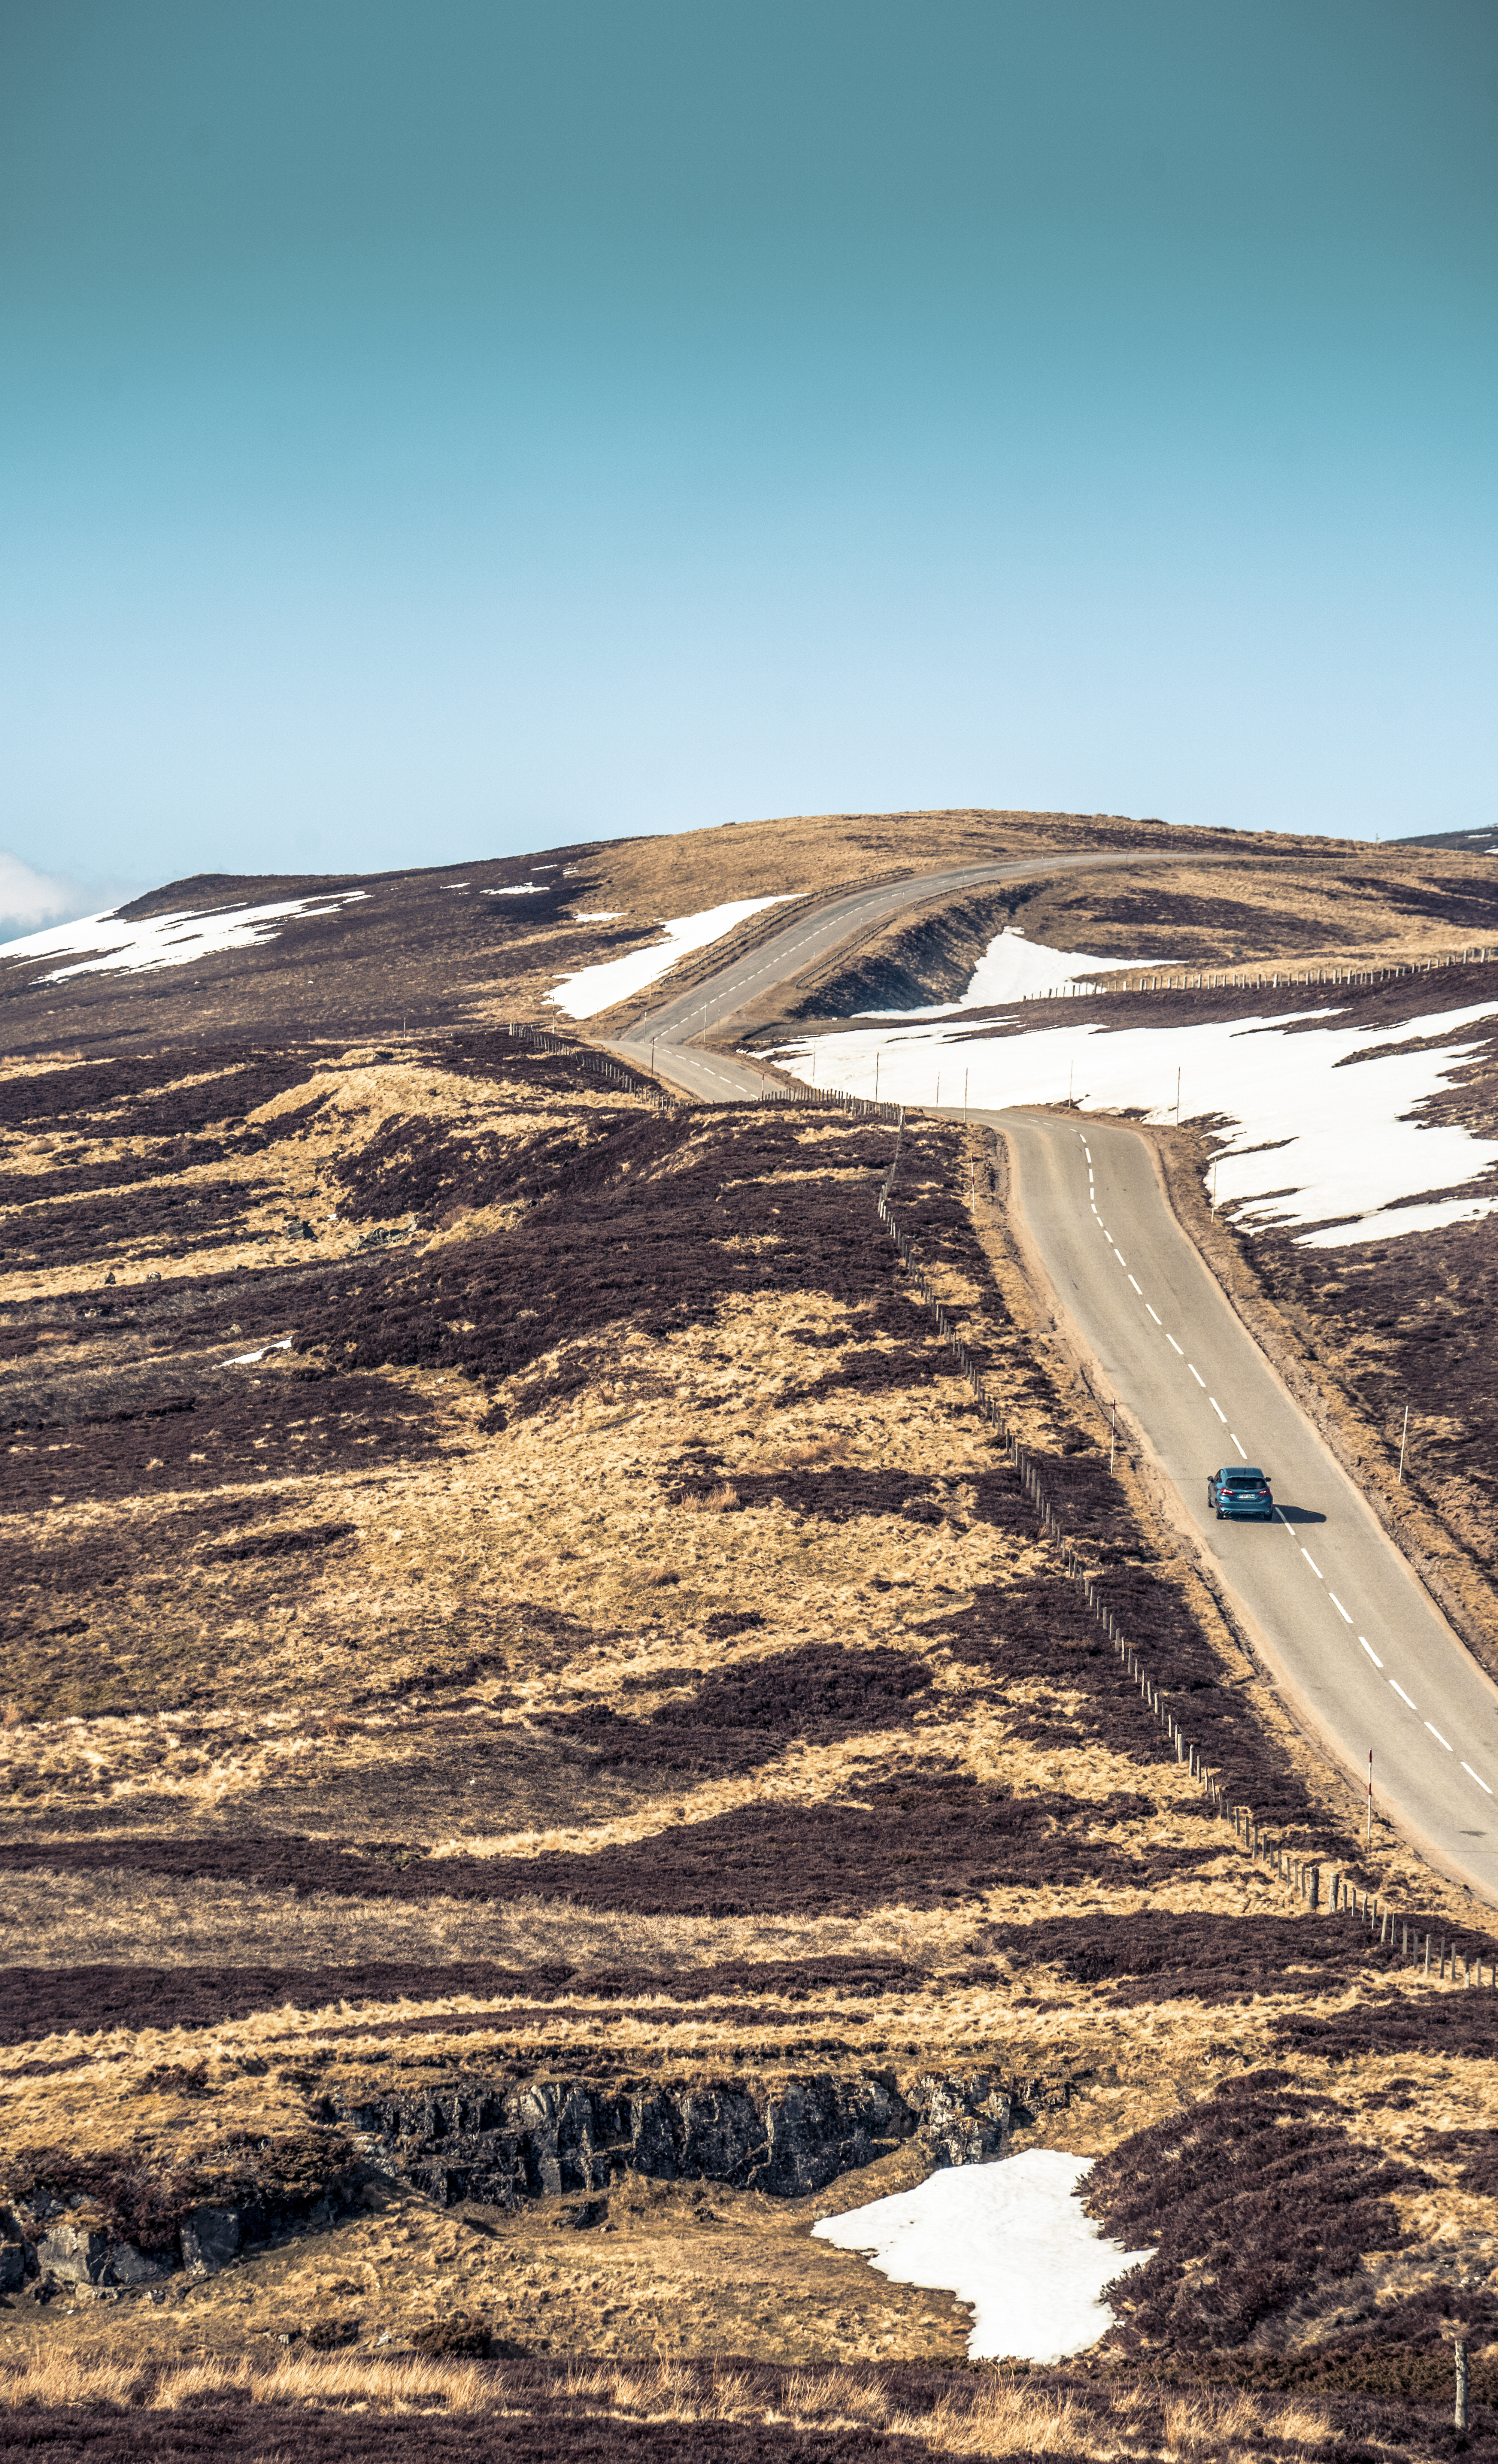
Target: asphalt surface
(1355,1643)
(812,936)
(1345,1627)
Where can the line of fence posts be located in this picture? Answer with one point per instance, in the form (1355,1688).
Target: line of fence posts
(1257,979)
(1301,1875)
(587,1058)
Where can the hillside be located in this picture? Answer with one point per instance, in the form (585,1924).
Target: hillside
(551,1745)
(375,954)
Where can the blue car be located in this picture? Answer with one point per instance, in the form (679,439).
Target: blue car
(1240,1493)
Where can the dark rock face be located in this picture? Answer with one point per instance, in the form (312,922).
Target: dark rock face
(72,2252)
(966,2120)
(120,2230)
(212,2236)
(503,2144)
(80,2254)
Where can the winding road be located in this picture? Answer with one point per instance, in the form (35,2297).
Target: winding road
(1355,1645)
(813,935)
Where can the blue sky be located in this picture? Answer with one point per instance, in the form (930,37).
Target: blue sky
(435,431)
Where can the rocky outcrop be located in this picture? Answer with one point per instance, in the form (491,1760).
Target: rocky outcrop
(964,2120)
(81,2253)
(97,2221)
(503,2144)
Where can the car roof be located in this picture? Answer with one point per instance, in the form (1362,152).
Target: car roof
(1240,1471)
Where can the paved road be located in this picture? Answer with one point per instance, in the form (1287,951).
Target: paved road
(1351,1638)
(1334,1607)
(811,938)
(1342,1621)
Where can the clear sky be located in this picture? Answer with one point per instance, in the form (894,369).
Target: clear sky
(444,429)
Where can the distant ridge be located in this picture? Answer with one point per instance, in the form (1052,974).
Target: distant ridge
(1480,842)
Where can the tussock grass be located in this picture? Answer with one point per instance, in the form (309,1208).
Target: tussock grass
(565,1549)
(985,2417)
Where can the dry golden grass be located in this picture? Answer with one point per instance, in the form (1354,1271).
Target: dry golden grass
(993,2418)
(1338,906)
(358,1098)
(545,1566)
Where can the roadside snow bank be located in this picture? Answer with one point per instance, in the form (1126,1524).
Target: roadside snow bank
(133,944)
(1323,1108)
(613,980)
(1011,2240)
(1013,969)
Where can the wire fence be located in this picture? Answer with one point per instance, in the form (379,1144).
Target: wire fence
(587,1057)
(1432,1954)
(1245,980)
(1305,1877)
(833,1099)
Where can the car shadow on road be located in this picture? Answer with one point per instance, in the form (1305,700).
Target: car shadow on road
(1297,1513)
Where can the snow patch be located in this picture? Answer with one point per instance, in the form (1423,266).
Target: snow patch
(515,890)
(135,944)
(590,989)
(1010,2239)
(600,915)
(1324,1107)
(1013,969)
(248,1359)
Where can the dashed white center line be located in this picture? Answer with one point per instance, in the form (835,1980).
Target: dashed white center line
(1481,1782)
(1372,1654)
(1436,1733)
(1137,1286)
(1217,1409)
(1238,1443)
(1174,1345)
(1311,1563)
(1194,1372)
(1340,1610)
(1155,1314)
(1404,1697)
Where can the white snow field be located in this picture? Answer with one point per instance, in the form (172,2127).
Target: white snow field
(1014,969)
(594,988)
(1322,1109)
(1009,2238)
(176,941)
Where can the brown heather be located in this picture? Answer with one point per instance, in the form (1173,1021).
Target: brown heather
(605,1646)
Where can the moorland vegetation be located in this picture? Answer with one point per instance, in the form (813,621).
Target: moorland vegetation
(548,1748)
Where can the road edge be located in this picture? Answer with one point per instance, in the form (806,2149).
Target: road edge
(1299,1710)
(1343,1429)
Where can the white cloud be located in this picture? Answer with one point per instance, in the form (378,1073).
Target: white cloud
(29,898)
